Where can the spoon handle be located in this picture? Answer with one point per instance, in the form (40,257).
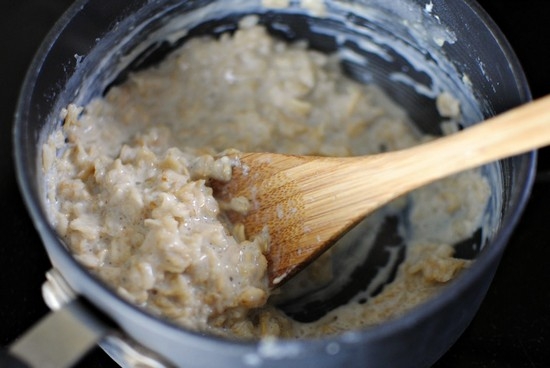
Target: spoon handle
(517,131)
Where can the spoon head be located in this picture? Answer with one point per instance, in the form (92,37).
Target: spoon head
(277,209)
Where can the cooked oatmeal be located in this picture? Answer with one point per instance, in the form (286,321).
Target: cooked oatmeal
(127,183)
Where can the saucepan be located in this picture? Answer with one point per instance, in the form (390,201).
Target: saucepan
(413,49)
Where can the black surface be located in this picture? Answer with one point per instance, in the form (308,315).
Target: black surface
(512,328)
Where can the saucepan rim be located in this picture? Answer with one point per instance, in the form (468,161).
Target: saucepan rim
(54,246)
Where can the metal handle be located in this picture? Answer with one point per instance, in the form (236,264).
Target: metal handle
(61,338)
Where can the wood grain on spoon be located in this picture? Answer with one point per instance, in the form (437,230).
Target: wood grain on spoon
(306,203)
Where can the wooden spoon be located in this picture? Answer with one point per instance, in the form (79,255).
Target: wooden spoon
(306,203)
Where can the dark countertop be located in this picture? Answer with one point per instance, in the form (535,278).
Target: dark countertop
(512,327)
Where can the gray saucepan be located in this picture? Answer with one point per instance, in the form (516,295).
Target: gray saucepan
(413,49)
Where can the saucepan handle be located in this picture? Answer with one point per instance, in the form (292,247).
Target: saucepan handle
(59,340)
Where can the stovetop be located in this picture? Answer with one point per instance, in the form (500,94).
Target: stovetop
(512,327)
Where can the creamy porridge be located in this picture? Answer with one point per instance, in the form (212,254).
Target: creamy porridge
(127,184)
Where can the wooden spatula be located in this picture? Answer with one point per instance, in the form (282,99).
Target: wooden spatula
(306,203)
